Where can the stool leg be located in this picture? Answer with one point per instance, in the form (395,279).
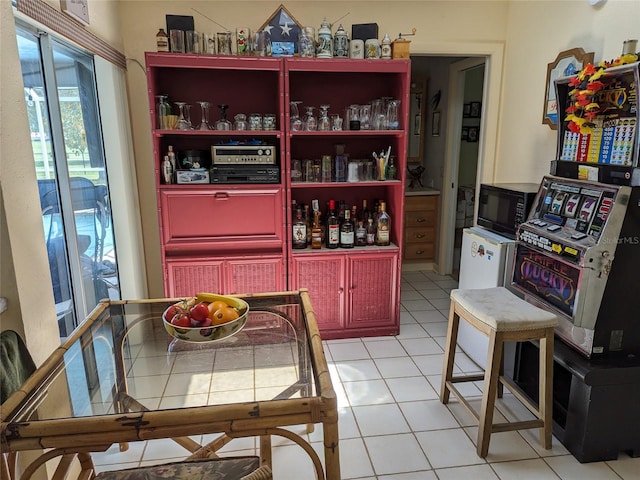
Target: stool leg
(546,388)
(449,352)
(500,386)
(491,380)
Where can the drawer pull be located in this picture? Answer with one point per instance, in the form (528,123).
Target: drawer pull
(420,235)
(420,220)
(419,252)
(221,196)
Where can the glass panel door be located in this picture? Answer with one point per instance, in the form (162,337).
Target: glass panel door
(72,177)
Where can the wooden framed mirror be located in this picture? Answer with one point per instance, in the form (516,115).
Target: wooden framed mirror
(417,120)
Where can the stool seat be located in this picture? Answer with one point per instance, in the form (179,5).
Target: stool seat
(503,317)
(502,310)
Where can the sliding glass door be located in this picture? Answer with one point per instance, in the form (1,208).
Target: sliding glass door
(60,93)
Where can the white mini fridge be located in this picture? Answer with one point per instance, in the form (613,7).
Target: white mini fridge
(485,261)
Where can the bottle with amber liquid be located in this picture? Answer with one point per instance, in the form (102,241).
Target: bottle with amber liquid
(361,233)
(333,226)
(299,239)
(347,231)
(383,227)
(316,232)
(371,232)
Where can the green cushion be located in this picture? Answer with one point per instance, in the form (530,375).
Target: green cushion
(232,468)
(16,364)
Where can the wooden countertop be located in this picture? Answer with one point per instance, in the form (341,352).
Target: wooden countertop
(414,192)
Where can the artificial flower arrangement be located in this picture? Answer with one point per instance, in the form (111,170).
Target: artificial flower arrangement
(583,109)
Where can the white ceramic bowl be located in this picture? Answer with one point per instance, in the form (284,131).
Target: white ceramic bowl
(212,332)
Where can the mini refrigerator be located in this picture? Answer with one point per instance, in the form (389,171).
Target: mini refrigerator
(485,261)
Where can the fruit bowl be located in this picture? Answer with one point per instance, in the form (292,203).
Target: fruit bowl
(208,332)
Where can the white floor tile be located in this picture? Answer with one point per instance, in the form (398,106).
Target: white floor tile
(354,459)
(535,469)
(628,468)
(368,392)
(417,305)
(421,475)
(409,389)
(384,348)
(428,316)
(357,370)
(348,351)
(113,454)
(430,364)
(428,415)
(448,448)
(436,329)
(397,367)
(440,303)
(433,294)
(476,472)
(380,419)
(568,468)
(391,454)
(421,346)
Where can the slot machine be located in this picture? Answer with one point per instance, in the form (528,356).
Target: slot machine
(579,255)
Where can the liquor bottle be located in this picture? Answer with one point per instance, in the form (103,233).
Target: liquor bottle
(162,41)
(347,231)
(299,231)
(361,234)
(365,214)
(316,231)
(172,157)
(333,226)
(309,221)
(383,227)
(371,232)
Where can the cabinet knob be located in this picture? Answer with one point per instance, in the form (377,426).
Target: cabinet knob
(420,235)
(419,252)
(420,220)
(221,196)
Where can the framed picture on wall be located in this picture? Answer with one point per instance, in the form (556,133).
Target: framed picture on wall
(465,134)
(466,110)
(435,126)
(472,136)
(567,63)
(474,109)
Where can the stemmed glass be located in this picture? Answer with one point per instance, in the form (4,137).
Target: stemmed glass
(365,117)
(223,123)
(324,124)
(204,124)
(184,121)
(310,121)
(295,120)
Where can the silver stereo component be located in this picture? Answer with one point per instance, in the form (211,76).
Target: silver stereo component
(243,154)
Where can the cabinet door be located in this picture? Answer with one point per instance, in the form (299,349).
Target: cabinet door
(323,275)
(221,218)
(187,277)
(254,275)
(372,291)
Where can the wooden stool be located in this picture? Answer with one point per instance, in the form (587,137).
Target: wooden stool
(503,317)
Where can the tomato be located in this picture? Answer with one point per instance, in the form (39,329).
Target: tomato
(172,311)
(181,320)
(199,312)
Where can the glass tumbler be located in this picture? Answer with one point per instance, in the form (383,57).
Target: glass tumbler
(269,121)
(163,110)
(224,43)
(176,41)
(240,122)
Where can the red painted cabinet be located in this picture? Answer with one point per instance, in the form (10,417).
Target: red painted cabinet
(350,293)
(235,236)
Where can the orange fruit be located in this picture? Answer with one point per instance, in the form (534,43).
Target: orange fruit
(215,306)
(224,315)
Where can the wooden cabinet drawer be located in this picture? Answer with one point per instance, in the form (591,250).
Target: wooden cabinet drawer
(224,217)
(421,203)
(419,252)
(420,219)
(419,234)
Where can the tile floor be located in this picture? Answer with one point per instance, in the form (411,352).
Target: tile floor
(392,425)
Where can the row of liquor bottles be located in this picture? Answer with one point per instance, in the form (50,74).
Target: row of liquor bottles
(341,225)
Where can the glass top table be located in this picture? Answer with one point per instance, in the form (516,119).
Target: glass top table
(121,378)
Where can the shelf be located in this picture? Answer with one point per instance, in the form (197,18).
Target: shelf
(381,183)
(350,133)
(218,133)
(347,65)
(337,251)
(217,62)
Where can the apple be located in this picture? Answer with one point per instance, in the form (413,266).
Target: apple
(172,311)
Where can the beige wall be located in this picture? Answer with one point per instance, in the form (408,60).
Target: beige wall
(536,32)
(445,23)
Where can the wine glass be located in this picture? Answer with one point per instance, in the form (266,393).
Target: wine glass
(324,123)
(223,123)
(204,123)
(365,117)
(310,121)
(183,118)
(295,120)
